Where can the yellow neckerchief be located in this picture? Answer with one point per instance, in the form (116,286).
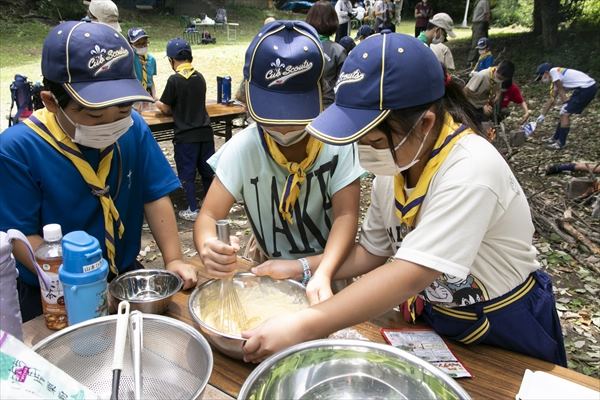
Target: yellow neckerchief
(44,123)
(291,189)
(186,70)
(407,209)
(143,62)
(482,57)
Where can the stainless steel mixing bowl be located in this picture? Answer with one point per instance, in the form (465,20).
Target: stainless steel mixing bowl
(348,369)
(147,290)
(228,344)
(176,359)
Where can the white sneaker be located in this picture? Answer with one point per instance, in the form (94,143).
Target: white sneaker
(188,214)
(554,146)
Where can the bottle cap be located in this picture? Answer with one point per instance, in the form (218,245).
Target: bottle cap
(52,232)
(82,259)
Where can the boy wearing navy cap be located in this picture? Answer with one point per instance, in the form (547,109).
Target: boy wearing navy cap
(87,161)
(300,195)
(486,59)
(445,207)
(562,80)
(185,98)
(144,62)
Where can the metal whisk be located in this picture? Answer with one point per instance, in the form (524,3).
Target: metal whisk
(232,317)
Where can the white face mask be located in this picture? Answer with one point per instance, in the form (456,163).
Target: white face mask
(141,51)
(286,139)
(99,136)
(438,40)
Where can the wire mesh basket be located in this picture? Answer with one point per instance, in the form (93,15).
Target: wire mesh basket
(176,359)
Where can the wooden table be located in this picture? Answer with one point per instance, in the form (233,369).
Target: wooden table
(221,118)
(497,373)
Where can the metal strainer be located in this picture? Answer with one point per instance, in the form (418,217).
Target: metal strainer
(177,360)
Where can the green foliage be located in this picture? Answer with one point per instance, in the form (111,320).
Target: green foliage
(513,12)
(62,9)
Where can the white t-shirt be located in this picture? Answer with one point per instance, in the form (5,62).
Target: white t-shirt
(249,173)
(474,225)
(443,54)
(571,78)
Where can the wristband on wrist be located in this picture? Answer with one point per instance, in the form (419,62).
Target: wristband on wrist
(306,272)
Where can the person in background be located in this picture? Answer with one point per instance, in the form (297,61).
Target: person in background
(479,27)
(144,62)
(562,80)
(184,97)
(106,12)
(360,12)
(381,13)
(511,93)
(301,196)
(483,89)
(436,183)
(486,59)
(348,44)
(398,11)
(323,18)
(423,13)
(345,13)
(364,32)
(438,29)
(87,161)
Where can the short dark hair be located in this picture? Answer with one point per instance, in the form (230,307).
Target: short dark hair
(323,18)
(58,91)
(506,69)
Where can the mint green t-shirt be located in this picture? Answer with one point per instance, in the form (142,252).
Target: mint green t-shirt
(250,174)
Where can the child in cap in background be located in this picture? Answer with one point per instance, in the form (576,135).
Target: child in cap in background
(106,12)
(348,44)
(486,59)
(144,63)
(447,221)
(323,18)
(437,30)
(364,32)
(301,196)
(184,97)
(483,89)
(562,80)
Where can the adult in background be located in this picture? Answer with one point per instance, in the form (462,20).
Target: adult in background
(323,18)
(345,13)
(398,11)
(380,14)
(106,12)
(479,27)
(423,12)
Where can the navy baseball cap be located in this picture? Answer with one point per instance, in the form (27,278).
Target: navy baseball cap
(541,70)
(179,49)
(483,43)
(385,72)
(364,32)
(283,67)
(135,34)
(94,64)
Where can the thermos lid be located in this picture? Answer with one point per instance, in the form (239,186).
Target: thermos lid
(82,259)
(52,232)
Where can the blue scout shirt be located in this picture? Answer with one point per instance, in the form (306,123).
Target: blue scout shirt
(40,186)
(150,68)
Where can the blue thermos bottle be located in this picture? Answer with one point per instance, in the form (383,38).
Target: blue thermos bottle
(83,276)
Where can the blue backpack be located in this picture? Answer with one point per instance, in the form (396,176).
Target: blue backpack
(20,95)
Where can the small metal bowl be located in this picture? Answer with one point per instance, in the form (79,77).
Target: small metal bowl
(229,344)
(147,290)
(348,369)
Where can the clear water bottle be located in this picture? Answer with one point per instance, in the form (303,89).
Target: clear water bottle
(49,257)
(83,275)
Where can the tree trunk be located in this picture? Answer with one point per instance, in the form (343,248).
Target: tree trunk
(549,14)
(537,17)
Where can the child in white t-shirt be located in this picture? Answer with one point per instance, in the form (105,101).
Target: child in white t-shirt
(444,205)
(301,196)
(562,80)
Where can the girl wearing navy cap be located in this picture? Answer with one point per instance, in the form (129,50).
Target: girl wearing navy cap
(300,195)
(444,205)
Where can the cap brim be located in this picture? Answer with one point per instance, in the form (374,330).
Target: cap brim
(100,94)
(277,108)
(342,125)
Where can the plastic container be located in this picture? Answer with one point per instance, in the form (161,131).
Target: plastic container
(49,257)
(83,275)
(226,90)
(219,89)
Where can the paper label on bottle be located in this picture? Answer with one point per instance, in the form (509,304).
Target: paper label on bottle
(92,267)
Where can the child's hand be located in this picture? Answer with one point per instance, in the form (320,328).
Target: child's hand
(219,258)
(186,271)
(318,289)
(279,269)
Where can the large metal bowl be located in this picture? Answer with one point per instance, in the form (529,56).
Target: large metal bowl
(176,359)
(348,369)
(147,290)
(228,344)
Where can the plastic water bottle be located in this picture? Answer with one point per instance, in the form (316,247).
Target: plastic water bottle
(49,258)
(83,275)
(226,90)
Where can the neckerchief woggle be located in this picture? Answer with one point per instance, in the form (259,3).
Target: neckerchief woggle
(297,171)
(186,70)
(44,123)
(407,208)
